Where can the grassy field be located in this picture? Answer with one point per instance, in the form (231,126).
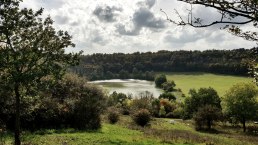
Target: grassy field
(221,83)
(127,133)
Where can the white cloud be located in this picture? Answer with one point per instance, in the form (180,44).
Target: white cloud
(108,26)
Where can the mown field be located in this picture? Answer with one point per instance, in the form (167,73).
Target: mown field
(126,133)
(221,83)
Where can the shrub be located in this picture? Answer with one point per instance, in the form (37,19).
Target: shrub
(168,96)
(113,115)
(162,111)
(168,86)
(206,116)
(252,129)
(142,117)
(178,112)
(159,80)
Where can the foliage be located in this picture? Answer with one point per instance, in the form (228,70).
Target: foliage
(143,65)
(169,106)
(168,86)
(70,102)
(206,115)
(142,117)
(241,102)
(178,112)
(169,96)
(162,111)
(142,103)
(113,115)
(160,79)
(200,98)
(30,49)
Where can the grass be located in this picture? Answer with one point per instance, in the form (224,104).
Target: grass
(221,83)
(126,132)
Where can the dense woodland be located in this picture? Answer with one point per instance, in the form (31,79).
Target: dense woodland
(142,65)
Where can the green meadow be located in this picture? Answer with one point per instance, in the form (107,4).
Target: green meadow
(125,132)
(221,83)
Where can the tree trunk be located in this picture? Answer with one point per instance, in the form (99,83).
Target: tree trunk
(244,127)
(209,124)
(17,114)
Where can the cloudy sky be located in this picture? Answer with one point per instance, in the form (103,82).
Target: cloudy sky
(108,26)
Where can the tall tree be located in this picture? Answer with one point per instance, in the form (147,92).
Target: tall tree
(30,49)
(241,102)
(229,10)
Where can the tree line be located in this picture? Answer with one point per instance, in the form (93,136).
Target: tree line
(142,65)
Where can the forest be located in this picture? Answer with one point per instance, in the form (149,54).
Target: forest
(143,65)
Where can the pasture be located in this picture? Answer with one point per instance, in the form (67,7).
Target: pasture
(221,83)
(127,133)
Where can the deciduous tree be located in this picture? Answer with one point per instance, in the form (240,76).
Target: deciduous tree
(241,102)
(30,49)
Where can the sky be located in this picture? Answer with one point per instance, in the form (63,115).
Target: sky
(127,26)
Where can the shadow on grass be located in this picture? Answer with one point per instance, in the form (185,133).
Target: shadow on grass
(63,131)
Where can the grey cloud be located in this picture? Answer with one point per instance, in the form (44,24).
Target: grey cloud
(52,4)
(143,17)
(147,3)
(122,30)
(61,19)
(106,13)
(185,36)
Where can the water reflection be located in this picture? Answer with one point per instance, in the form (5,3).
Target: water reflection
(129,86)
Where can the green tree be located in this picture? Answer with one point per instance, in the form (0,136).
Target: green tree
(168,86)
(241,102)
(160,79)
(207,115)
(200,98)
(30,49)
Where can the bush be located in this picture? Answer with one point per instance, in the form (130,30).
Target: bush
(168,96)
(252,129)
(159,80)
(113,116)
(206,116)
(178,112)
(142,117)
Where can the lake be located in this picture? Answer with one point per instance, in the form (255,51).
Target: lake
(129,86)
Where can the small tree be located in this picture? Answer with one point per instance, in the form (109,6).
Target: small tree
(204,96)
(142,117)
(159,80)
(168,86)
(30,49)
(241,102)
(207,115)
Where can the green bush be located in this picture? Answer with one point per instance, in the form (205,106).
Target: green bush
(159,80)
(169,96)
(206,116)
(178,112)
(113,116)
(142,117)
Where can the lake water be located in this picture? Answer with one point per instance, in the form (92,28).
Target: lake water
(129,86)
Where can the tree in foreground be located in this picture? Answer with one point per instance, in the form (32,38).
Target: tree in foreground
(207,114)
(30,49)
(233,13)
(200,98)
(241,102)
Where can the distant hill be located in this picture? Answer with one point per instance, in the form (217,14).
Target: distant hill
(143,65)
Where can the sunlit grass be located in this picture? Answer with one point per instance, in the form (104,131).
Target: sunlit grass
(221,83)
